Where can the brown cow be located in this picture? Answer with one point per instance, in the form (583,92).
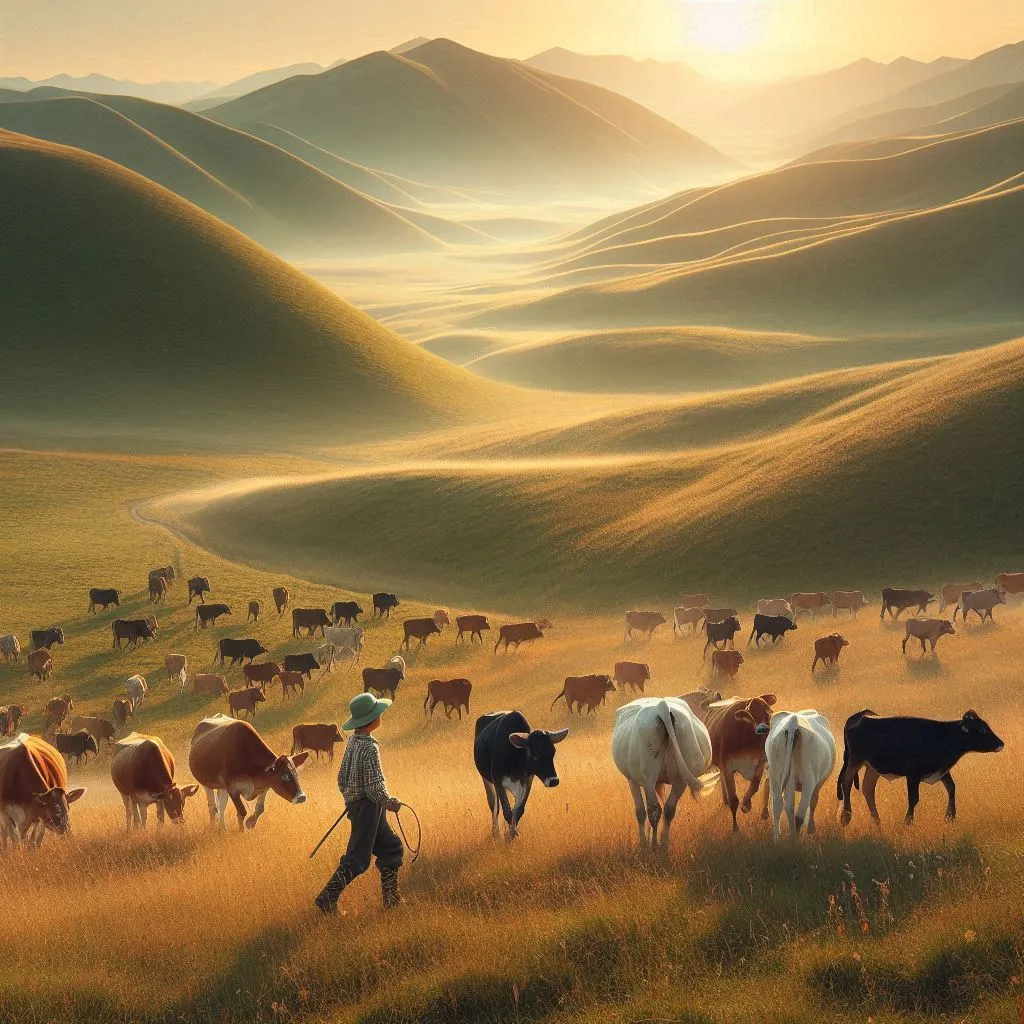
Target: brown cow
(231,761)
(177,668)
(310,620)
(34,796)
(590,690)
(927,629)
(827,648)
(209,684)
(261,674)
(292,681)
(40,664)
(726,662)
(255,611)
(950,592)
(642,622)
(98,728)
(142,771)
(738,728)
(167,571)
(318,737)
(122,712)
(245,700)
(281,596)
(687,615)
(848,600)
(418,629)
(5,721)
(695,600)
(16,712)
(1010,582)
(812,603)
(515,633)
(633,674)
(718,614)
(474,625)
(157,589)
(452,693)
(56,712)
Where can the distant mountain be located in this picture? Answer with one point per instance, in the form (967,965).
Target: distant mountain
(161,92)
(446,114)
(259,80)
(409,44)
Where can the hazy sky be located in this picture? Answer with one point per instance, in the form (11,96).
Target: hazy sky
(225,39)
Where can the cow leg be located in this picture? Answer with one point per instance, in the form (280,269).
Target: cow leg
(774,789)
(670,812)
(732,801)
(492,805)
(913,796)
(520,808)
(765,802)
(950,786)
(755,785)
(159,813)
(218,799)
(239,805)
(868,789)
(653,813)
(261,801)
(812,807)
(641,812)
(506,810)
(143,812)
(128,822)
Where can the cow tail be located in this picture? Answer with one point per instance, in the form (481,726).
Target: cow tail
(852,721)
(497,642)
(789,775)
(426,700)
(558,698)
(693,783)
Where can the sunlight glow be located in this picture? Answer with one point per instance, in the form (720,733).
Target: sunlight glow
(723,26)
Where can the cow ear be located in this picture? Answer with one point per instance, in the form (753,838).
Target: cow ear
(770,699)
(743,715)
(558,735)
(74,794)
(300,759)
(187,791)
(518,739)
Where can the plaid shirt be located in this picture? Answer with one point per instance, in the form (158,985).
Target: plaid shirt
(361,776)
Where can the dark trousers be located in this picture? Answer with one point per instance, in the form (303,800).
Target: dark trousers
(371,836)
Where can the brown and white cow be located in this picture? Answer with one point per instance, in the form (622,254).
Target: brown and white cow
(316,736)
(633,674)
(34,796)
(726,663)
(642,622)
(142,770)
(812,602)
(927,630)
(56,712)
(231,761)
(590,690)
(848,600)
(177,668)
(827,648)
(245,700)
(452,694)
(40,664)
(121,712)
(950,592)
(774,606)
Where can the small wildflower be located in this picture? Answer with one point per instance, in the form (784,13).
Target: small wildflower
(970,935)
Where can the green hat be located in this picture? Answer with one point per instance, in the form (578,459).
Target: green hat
(363,708)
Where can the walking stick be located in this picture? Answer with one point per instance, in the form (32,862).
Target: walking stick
(327,834)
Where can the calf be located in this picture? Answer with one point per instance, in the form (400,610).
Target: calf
(827,648)
(917,749)
(99,728)
(142,771)
(800,752)
(198,586)
(245,700)
(292,682)
(451,693)
(950,592)
(310,620)
(896,601)
(346,612)
(721,633)
(5,720)
(40,664)
(122,711)
(260,675)
(418,629)
(56,713)
(255,611)
(177,668)
(76,744)
(981,602)
(281,596)
(633,674)
(848,600)
(812,603)
(301,663)
(157,589)
(474,625)
(590,690)
(775,626)
(207,613)
(385,680)
(47,637)
(726,662)
(316,737)
(383,603)
(509,755)
(15,713)
(516,633)
(927,630)
(136,687)
(209,685)
(103,598)
(686,615)
(642,622)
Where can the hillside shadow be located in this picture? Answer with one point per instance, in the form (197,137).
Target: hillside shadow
(925,666)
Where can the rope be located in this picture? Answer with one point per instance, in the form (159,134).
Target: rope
(405,839)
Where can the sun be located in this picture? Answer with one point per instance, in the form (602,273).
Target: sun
(722,26)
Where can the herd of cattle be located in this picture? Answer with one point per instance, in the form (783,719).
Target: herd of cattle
(662,745)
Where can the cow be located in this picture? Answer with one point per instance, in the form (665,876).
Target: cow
(310,620)
(136,688)
(1010,582)
(260,675)
(177,668)
(590,690)
(775,626)
(34,797)
(382,605)
(255,611)
(198,586)
(686,615)
(441,619)
(122,711)
(543,624)
(10,648)
(5,720)
(981,602)
(230,760)
(927,630)
(132,630)
(695,600)
(474,625)
(238,650)
(207,613)
(801,752)
(40,664)
(346,612)
(385,680)
(721,633)
(103,598)
(209,685)
(157,589)
(142,770)
(167,571)
(697,700)
(738,728)
(301,663)
(281,596)
(47,637)
(345,636)
(516,633)
(292,682)
(99,728)
(642,622)
(917,749)
(950,592)
(633,674)
(452,693)
(827,648)
(245,700)
(718,614)
(76,744)
(418,629)
(509,755)
(774,606)
(659,742)
(15,713)
(896,601)
(812,603)
(318,737)
(848,600)
(726,663)
(56,713)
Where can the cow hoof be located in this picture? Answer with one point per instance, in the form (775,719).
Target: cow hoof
(845,817)
(745,807)
(950,815)
(764,814)
(250,823)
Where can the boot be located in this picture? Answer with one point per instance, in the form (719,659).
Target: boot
(389,888)
(327,901)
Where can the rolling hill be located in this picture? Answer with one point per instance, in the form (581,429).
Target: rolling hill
(160,92)
(449,115)
(133,318)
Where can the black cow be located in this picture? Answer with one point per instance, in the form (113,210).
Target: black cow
(775,626)
(383,603)
(345,611)
(238,650)
(105,597)
(722,632)
(132,630)
(47,637)
(917,749)
(304,663)
(896,600)
(508,755)
(197,587)
(206,613)
(76,744)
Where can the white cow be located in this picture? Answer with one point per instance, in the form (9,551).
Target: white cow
(658,742)
(136,687)
(344,636)
(9,647)
(801,753)
(775,606)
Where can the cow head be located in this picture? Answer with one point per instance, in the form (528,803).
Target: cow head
(645,670)
(1000,597)
(543,624)
(90,744)
(788,624)
(260,649)
(946,628)
(926,599)
(173,801)
(107,731)
(68,702)
(978,736)
(257,695)
(441,619)
(117,598)
(757,712)
(51,808)
(398,662)
(731,624)
(147,629)
(839,639)
(58,635)
(313,661)
(283,777)
(539,746)
(337,737)
(609,686)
